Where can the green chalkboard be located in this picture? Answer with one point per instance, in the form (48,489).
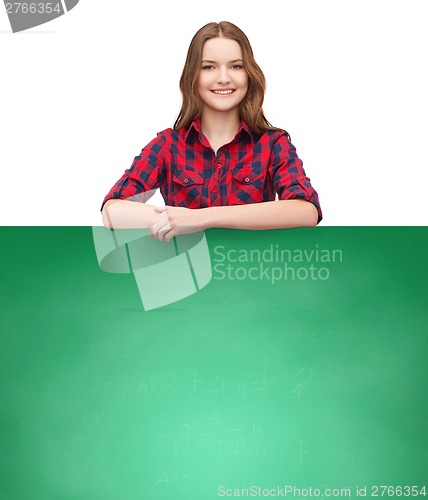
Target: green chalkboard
(302,363)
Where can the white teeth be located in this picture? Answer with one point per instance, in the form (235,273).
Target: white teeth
(222,92)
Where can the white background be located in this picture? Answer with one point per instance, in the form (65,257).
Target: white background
(81,95)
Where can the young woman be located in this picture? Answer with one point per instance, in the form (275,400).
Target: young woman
(222,163)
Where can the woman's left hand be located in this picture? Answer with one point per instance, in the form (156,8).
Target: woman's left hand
(173,221)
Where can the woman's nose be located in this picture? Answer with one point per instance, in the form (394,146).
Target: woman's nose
(223,76)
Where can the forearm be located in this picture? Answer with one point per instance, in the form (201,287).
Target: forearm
(265,215)
(122,214)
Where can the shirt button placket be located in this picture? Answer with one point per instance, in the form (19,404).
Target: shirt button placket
(216,182)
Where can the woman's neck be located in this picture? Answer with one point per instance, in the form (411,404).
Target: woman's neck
(219,127)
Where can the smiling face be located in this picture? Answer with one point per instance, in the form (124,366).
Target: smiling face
(222,80)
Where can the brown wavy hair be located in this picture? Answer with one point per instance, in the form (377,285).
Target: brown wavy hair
(250,109)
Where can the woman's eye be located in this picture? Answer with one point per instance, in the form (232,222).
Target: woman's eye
(207,67)
(237,66)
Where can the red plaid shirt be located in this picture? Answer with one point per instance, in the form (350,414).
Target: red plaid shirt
(250,169)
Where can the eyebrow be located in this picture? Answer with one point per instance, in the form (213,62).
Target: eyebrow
(215,62)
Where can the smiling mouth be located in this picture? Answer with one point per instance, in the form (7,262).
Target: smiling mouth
(223,92)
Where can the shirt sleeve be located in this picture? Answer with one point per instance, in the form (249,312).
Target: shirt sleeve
(145,175)
(289,177)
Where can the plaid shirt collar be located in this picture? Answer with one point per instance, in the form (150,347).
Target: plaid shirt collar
(243,127)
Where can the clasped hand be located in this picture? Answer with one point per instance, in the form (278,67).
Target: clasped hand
(173,221)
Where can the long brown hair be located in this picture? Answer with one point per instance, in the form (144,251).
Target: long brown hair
(250,109)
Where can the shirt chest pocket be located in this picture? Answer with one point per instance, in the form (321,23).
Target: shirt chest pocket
(247,185)
(187,188)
